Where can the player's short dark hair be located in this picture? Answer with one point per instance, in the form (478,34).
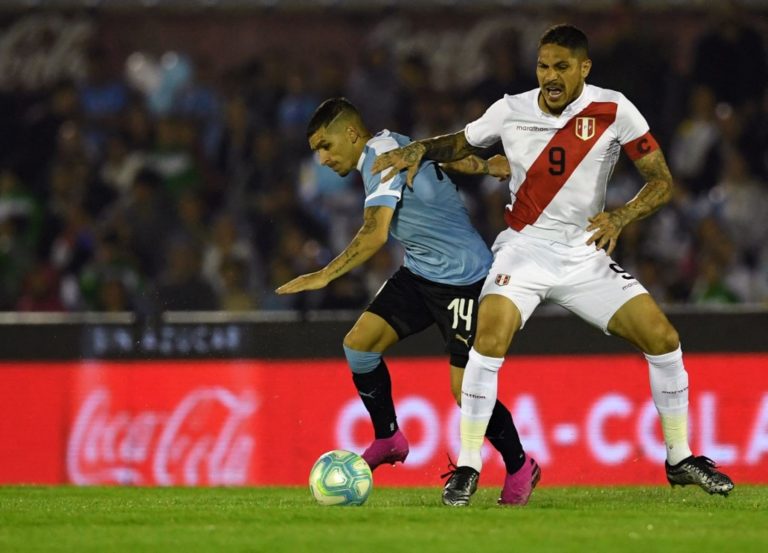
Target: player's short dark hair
(566,36)
(328,111)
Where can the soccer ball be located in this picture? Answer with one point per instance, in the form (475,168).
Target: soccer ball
(340,478)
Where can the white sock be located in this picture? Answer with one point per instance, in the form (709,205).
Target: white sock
(669,387)
(478,396)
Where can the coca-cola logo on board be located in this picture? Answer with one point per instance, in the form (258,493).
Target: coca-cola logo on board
(203,440)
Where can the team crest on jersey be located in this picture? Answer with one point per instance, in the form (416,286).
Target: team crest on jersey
(502,280)
(585,127)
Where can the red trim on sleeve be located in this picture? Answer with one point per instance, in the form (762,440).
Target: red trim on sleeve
(641,146)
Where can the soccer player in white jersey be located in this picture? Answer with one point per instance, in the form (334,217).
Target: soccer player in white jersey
(561,141)
(445,265)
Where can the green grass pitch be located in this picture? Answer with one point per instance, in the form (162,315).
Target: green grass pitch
(274,520)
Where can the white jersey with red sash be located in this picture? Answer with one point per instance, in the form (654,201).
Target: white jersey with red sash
(560,165)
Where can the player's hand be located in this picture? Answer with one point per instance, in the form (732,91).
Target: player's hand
(310,281)
(407,157)
(498,167)
(607,227)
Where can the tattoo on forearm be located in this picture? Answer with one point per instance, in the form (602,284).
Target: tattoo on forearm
(411,155)
(484,169)
(346,260)
(656,192)
(341,264)
(449,147)
(473,165)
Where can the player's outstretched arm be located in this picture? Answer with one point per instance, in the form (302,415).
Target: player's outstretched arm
(449,147)
(656,192)
(368,240)
(497,166)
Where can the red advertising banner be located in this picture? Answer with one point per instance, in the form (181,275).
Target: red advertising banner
(586,420)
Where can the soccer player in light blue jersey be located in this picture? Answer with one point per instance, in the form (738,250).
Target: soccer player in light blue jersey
(445,265)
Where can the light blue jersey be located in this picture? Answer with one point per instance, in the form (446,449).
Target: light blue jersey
(430,220)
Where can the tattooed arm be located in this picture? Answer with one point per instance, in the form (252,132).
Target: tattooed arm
(497,166)
(368,240)
(449,147)
(656,192)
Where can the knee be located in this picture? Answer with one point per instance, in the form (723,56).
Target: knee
(491,344)
(353,340)
(663,338)
(498,320)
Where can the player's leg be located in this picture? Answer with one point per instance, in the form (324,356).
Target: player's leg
(641,322)
(455,311)
(498,320)
(395,312)
(363,346)
(604,294)
(514,287)
(500,431)
(523,473)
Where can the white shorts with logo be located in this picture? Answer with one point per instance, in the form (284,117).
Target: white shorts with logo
(582,279)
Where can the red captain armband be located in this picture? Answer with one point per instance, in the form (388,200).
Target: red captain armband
(641,146)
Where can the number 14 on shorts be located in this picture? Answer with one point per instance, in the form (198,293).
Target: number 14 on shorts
(462,311)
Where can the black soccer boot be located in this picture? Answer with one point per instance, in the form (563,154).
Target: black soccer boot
(701,471)
(460,486)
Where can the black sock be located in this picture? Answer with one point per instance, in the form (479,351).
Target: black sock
(375,389)
(502,434)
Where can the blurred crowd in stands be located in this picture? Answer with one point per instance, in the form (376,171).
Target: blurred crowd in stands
(205,196)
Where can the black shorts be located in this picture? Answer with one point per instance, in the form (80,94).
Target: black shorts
(410,304)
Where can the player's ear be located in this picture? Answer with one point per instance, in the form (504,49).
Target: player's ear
(352,133)
(586,67)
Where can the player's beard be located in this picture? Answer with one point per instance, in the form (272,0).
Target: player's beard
(558,104)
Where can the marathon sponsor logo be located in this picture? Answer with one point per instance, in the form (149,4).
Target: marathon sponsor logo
(532,128)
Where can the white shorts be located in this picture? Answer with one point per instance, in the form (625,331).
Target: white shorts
(582,279)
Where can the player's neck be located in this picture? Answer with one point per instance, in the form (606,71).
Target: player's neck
(362,139)
(558,112)
(360,146)
(548,110)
